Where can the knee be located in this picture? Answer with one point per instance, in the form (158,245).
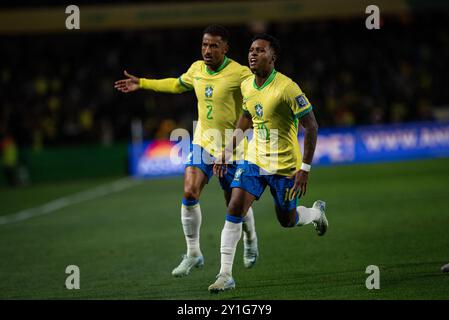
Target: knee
(235,208)
(191,193)
(287,223)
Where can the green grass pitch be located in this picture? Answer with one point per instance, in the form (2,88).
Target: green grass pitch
(393,215)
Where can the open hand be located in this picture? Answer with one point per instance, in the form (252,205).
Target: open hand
(127,85)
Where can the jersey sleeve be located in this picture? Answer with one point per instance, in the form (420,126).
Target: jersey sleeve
(244,108)
(171,85)
(297,100)
(168,85)
(186,79)
(245,74)
(245,111)
(244,99)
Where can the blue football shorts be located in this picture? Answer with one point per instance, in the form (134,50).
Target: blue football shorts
(203,160)
(250,178)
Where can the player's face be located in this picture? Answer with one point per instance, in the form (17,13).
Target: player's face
(213,50)
(260,57)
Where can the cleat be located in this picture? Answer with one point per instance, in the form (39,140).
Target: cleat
(445,268)
(250,253)
(321,224)
(224,282)
(187,264)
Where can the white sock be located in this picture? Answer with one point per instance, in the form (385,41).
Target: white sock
(230,236)
(191,222)
(307,215)
(249,227)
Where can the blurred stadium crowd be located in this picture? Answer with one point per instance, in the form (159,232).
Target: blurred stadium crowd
(58,89)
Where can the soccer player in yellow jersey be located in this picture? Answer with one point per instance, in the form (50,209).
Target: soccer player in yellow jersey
(216,81)
(273,106)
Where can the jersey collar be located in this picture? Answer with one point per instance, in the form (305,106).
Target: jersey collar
(221,67)
(267,82)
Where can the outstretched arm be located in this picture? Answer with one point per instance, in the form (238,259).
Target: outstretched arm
(311,132)
(133,83)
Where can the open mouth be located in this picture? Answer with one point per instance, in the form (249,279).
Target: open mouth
(252,61)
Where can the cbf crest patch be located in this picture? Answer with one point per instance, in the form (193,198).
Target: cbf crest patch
(301,101)
(209,91)
(259,110)
(237,174)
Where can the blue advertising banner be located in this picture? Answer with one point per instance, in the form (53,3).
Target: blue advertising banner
(154,159)
(335,146)
(382,143)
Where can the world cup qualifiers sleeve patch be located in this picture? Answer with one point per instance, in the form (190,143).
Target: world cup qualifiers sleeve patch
(301,101)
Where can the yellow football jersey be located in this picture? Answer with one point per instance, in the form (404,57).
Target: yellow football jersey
(275,108)
(219,101)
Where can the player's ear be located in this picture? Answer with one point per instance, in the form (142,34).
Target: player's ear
(226,47)
(273,55)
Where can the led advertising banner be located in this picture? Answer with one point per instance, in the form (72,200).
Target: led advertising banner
(335,146)
(153,159)
(382,143)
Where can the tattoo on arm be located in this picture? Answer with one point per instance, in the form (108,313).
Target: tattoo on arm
(311,132)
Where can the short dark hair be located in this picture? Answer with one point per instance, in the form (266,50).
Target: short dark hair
(274,43)
(218,30)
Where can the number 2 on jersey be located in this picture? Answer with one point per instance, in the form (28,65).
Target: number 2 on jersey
(209,112)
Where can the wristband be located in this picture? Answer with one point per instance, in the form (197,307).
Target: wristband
(305,167)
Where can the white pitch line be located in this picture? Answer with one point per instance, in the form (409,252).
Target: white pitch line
(64,202)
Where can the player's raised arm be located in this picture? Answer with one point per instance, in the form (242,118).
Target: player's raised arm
(310,125)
